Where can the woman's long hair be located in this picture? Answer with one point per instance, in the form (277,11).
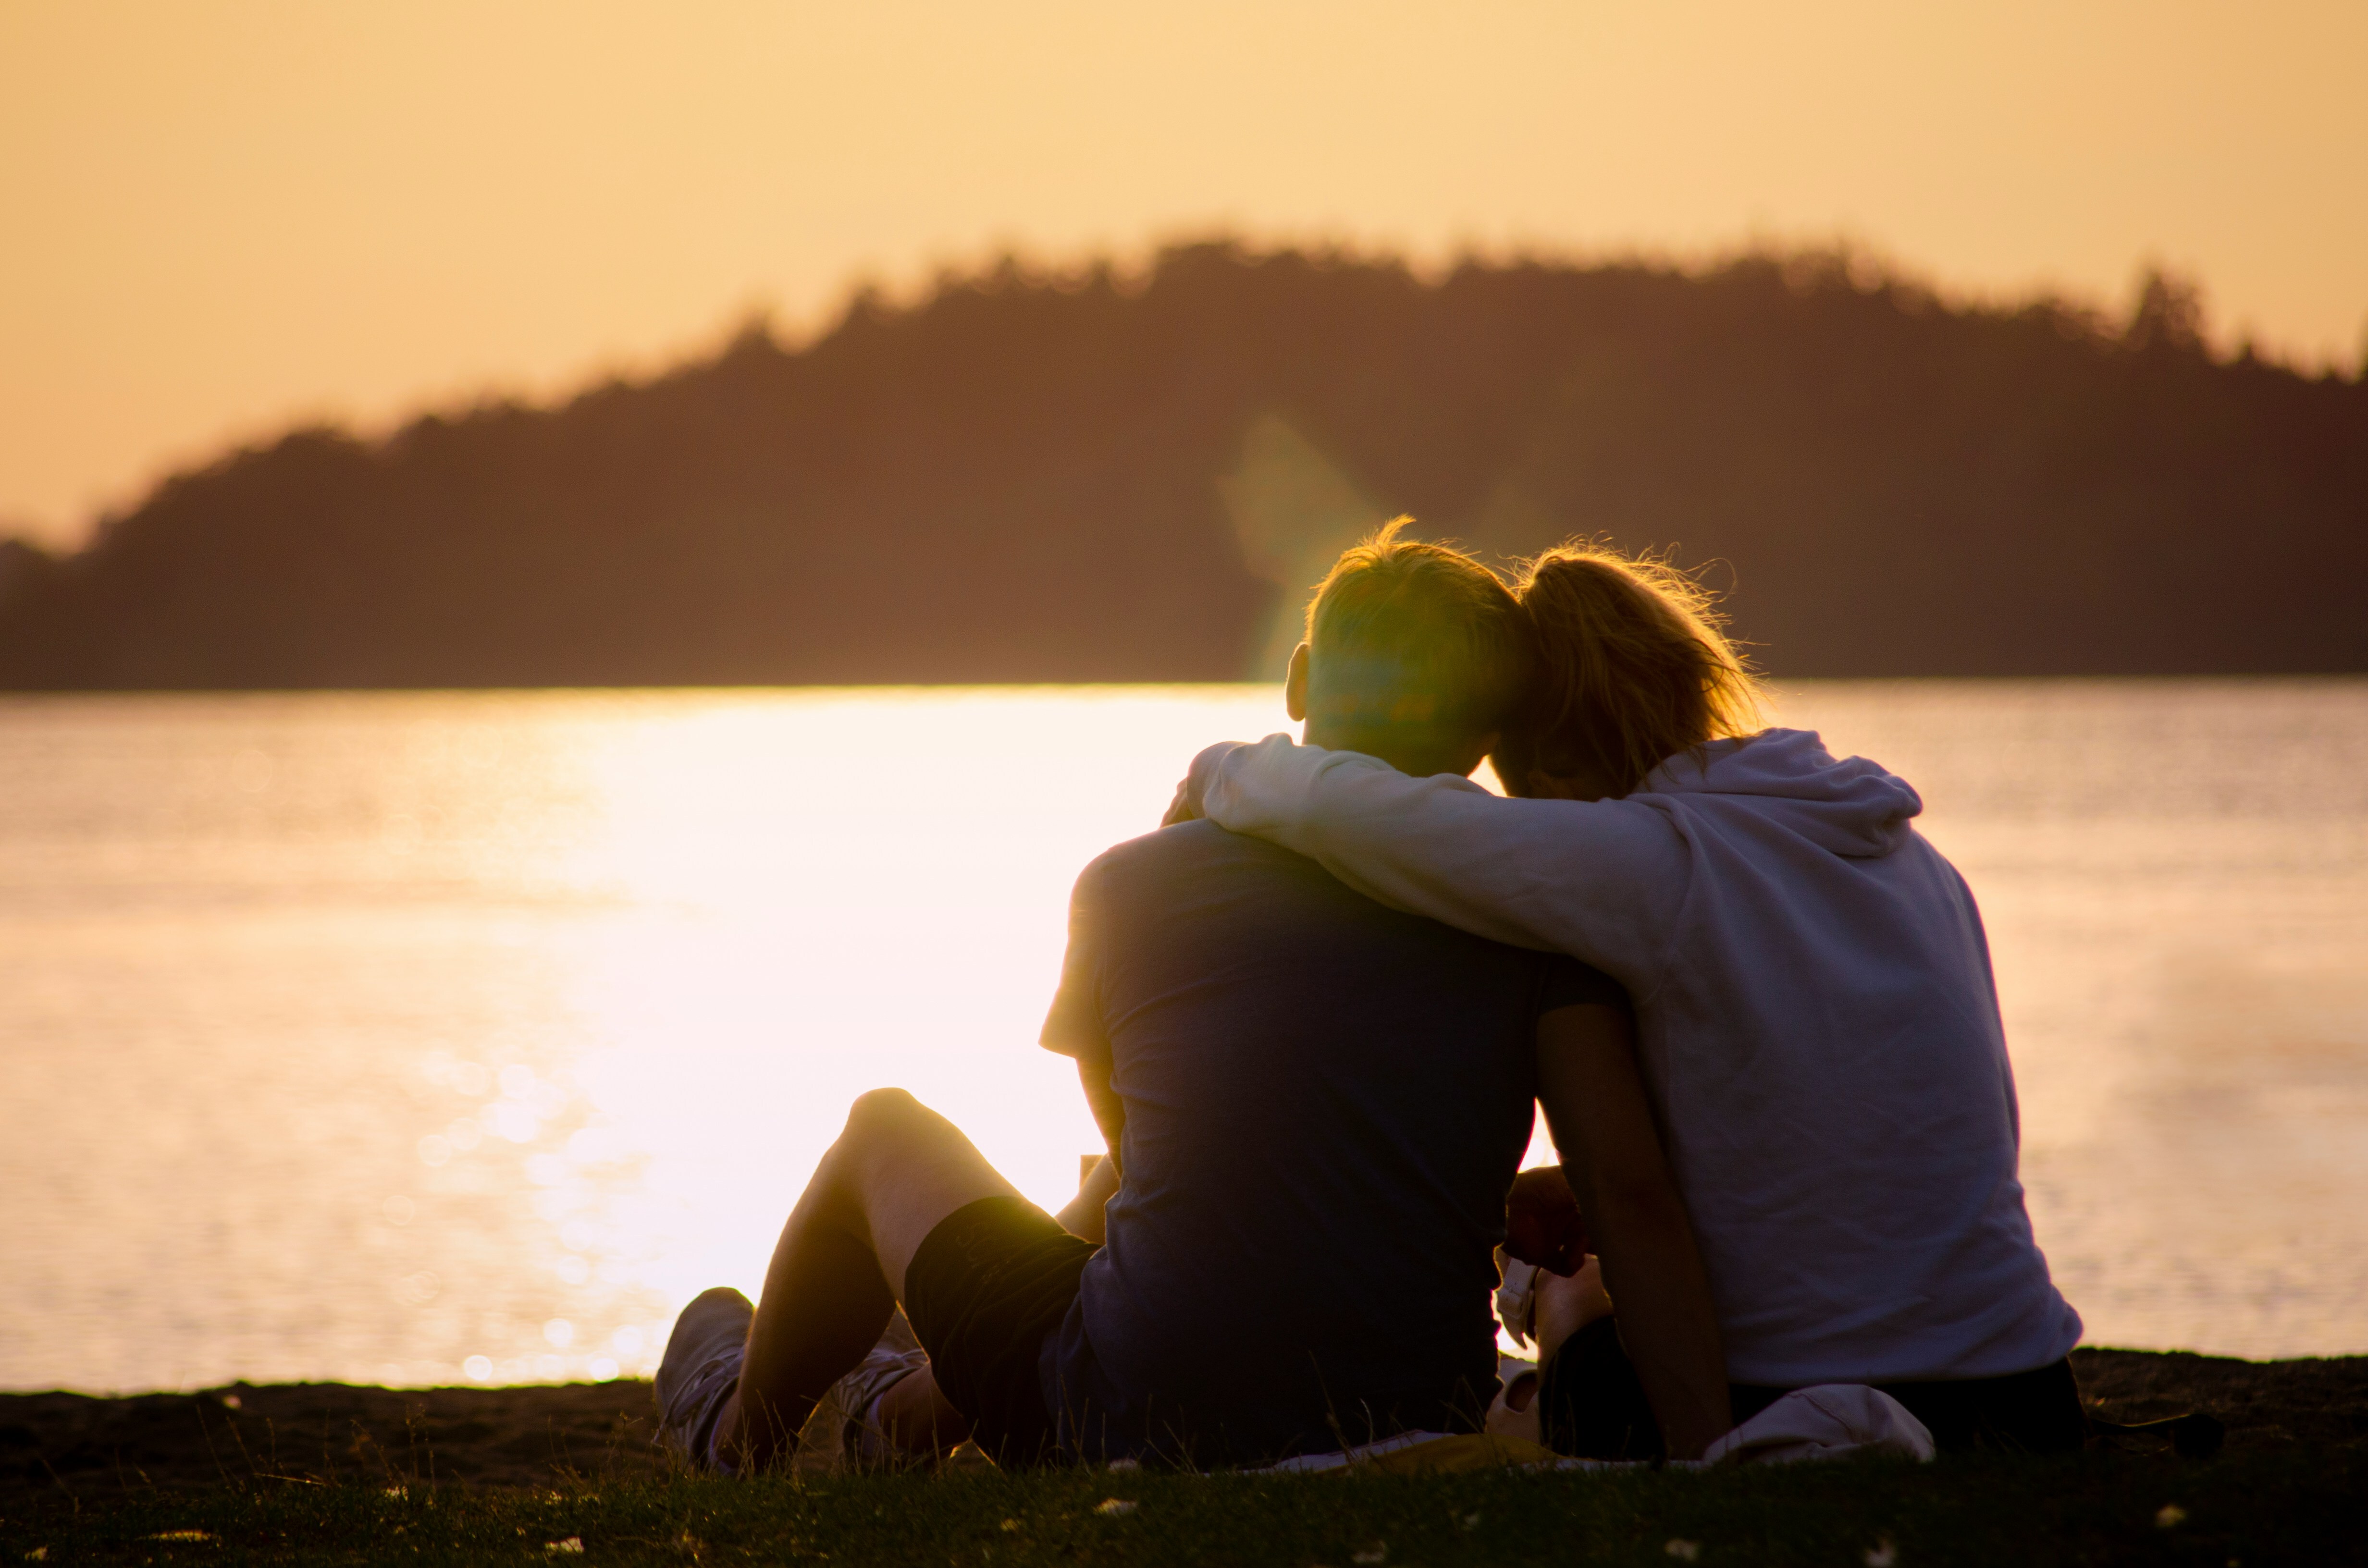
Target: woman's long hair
(1633,666)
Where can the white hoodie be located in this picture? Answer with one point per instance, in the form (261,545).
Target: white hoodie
(1815,1018)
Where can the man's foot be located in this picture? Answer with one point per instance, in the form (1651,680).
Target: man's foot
(700,1371)
(853,1435)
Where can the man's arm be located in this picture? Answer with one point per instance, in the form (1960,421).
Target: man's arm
(1087,1214)
(1075,1027)
(1594,1101)
(1109,1111)
(1082,1215)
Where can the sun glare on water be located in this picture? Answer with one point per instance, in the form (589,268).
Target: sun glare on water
(780,903)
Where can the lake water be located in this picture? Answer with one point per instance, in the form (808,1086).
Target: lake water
(418,1038)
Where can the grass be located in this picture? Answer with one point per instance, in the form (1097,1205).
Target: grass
(2299,1505)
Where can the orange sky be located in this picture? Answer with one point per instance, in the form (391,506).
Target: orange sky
(216,216)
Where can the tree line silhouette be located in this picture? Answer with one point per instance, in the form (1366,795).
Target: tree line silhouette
(1098,476)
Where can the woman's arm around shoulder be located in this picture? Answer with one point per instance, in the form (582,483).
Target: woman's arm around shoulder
(1602,879)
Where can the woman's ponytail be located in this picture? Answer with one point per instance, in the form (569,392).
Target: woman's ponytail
(1633,667)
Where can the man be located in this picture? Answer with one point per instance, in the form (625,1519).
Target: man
(1316,1105)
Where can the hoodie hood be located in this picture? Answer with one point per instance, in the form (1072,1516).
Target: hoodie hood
(1845,806)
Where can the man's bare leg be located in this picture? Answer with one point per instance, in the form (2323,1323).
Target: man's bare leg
(897,1170)
(911,1416)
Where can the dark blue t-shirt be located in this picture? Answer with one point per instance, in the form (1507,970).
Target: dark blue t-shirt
(1326,1101)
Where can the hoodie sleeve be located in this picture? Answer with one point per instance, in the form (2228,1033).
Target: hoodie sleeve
(1601,881)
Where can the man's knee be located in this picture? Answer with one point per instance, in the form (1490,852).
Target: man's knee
(891,1135)
(887,1121)
(878,1112)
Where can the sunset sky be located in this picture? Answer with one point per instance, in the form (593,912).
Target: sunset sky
(218,217)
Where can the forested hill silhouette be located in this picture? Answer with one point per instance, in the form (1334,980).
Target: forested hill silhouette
(1099,477)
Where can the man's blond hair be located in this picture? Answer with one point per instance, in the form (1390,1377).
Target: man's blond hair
(1407,636)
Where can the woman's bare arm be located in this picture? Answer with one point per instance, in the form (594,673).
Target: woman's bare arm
(1595,1105)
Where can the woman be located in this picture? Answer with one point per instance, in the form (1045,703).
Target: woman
(1816,1022)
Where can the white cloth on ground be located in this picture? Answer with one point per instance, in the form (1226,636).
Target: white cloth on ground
(1833,1421)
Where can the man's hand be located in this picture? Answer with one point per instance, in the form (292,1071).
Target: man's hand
(1186,806)
(1542,1224)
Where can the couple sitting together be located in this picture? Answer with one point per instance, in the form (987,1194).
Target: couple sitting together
(1313,1015)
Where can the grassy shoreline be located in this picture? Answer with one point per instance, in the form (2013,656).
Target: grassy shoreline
(2253,1509)
(328,1472)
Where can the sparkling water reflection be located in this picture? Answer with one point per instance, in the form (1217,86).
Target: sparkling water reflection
(423,1038)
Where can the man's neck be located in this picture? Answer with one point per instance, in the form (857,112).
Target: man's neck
(1415,761)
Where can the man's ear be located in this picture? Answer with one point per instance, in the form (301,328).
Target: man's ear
(1294,686)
